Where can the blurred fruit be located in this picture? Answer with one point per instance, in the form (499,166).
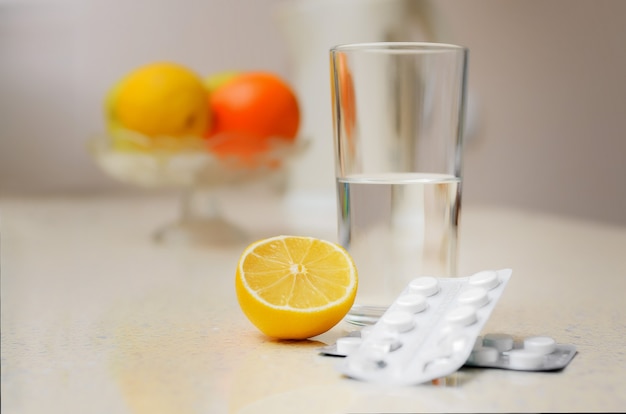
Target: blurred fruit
(114,128)
(216,80)
(159,99)
(251,110)
(347,97)
(293,287)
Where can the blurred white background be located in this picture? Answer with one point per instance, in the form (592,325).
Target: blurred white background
(547,81)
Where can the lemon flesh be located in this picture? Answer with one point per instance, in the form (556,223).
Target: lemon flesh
(293,287)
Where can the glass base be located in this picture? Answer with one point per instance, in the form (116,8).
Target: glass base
(211,232)
(363,315)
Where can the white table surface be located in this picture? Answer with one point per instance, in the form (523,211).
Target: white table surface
(98,319)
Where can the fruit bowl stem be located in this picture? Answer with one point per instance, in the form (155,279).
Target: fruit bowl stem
(200,222)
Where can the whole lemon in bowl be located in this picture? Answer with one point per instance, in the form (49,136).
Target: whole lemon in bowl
(160,99)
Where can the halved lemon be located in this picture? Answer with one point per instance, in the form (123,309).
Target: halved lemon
(295,287)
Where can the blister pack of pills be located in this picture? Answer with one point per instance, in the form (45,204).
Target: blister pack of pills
(533,353)
(428,332)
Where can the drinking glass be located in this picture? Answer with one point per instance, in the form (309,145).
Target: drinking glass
(398,110)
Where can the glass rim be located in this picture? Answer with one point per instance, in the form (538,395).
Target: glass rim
(398,47)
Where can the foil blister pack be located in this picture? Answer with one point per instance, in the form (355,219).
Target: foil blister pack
(533,353)
(428,332)
(433,328)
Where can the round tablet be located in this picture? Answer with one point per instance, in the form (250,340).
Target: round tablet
(524,359)
(540,344)
(398,321)
(474,297)
(386,345)
(487,279)
(462,316)
(348,344)
(439,364)
(484,355)
(366,330)
(425,285)
(453,341)
(501,342)
(412,302)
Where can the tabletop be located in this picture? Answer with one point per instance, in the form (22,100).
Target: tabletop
(98,318)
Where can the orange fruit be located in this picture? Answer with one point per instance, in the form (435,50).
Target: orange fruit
(294,287)
(251,110)
(346,96)
(348,99)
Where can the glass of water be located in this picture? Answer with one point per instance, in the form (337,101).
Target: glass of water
(398,110)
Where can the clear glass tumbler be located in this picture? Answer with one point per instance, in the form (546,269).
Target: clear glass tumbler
(398,110)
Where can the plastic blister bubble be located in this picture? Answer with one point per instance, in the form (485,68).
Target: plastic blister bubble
(534,353)
(428,332)
(432,329)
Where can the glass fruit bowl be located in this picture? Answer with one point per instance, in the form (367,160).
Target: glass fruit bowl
(191,165)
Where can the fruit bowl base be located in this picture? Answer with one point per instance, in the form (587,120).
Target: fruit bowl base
(201,232)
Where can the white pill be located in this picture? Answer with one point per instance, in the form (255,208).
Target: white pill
(523,359)
(474,297)
(462,316)
(484,355)
(425,285)
(501,342)
(384,345)
(453,341)
(487,279)
(366,330)
(398,321)
(412,302)
(348,344)
(540,344)
(439,364)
